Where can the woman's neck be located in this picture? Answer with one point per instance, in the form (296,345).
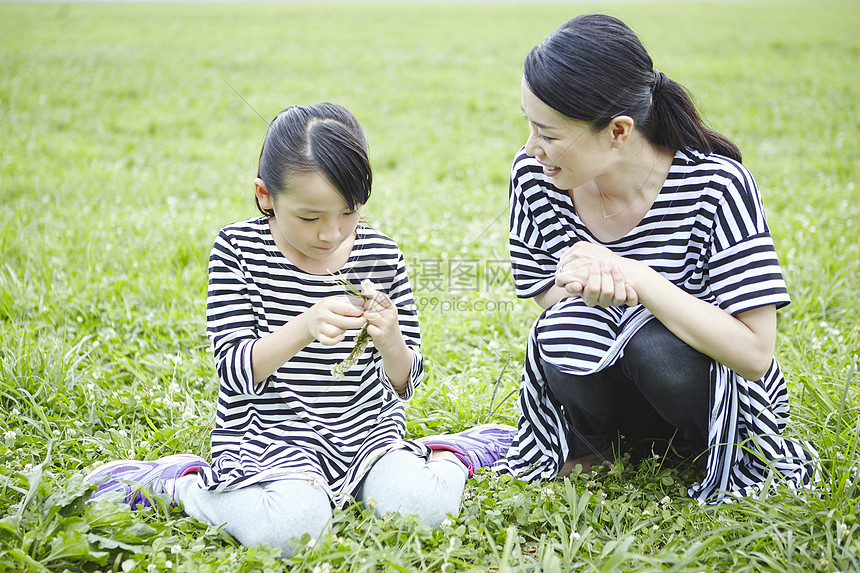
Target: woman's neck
(614,203)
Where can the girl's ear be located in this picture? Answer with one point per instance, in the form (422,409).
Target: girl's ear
(620,128)
(262,195)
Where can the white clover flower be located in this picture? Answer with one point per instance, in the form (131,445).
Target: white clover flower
(447,522)
(56,432)
(666,500)
(575,536)
(10,435)
(168,564)
(547,494)
(176,549)
(122,433)
(152,567)
(312,542)
(843,530)
(173,388)
(16,412)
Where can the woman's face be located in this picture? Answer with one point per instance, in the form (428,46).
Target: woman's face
(571,153)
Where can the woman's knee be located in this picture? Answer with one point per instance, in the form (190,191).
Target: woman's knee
(658,361)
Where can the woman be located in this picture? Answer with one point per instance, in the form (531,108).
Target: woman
(643,237)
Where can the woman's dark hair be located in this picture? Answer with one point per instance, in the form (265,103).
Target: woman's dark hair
(323,138)
(594,68)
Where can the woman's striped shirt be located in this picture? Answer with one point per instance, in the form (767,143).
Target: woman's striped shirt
(706,233)
(301,420)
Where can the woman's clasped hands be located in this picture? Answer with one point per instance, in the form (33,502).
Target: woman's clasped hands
(595,274)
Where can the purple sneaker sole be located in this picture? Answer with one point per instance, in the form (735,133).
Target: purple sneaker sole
(478,447)
(134,479)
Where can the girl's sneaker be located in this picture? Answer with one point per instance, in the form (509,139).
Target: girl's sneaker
(478,447)
(135,479)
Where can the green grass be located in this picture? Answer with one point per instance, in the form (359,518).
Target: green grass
(123,149)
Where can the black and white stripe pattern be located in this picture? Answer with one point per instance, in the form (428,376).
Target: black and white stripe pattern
(300,421)
(707,234)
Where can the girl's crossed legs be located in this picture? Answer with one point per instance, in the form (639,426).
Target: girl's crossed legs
(281,511)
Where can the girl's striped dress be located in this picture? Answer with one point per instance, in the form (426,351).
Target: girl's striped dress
(301,421)
(707,234)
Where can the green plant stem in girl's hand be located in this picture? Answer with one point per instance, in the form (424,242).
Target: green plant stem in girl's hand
(361,340)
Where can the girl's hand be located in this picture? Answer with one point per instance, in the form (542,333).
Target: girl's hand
(384,328)
(329,319)
(595,274)
(382,320)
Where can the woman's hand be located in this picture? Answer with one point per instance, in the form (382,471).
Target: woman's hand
(595,274)
(328,320)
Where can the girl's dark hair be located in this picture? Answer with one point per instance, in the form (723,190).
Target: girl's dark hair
(594,68)
(323,138)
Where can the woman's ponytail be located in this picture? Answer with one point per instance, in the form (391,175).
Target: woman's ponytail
(675,123)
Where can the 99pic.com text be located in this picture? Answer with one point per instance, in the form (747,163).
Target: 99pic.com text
(430,304)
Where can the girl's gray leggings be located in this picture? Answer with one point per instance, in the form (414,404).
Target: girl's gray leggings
(279,512)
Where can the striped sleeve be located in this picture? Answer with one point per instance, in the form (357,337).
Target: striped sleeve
(400,294)
(743,266)
(230,321)
(532,263)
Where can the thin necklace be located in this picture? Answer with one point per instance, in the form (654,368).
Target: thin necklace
(600,194)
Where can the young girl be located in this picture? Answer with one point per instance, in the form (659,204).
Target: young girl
(643,237)
(293,437)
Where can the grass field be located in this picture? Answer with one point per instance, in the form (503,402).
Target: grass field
(124,147)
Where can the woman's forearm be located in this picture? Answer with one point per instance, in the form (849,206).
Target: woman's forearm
(745,343)
(550,296)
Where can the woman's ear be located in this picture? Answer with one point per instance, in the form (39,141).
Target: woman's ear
(620,128)
(264,200)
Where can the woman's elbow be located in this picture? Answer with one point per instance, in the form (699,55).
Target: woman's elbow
(757,366)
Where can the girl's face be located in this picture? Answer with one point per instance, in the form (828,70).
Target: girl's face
(571,153)
(313,225)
